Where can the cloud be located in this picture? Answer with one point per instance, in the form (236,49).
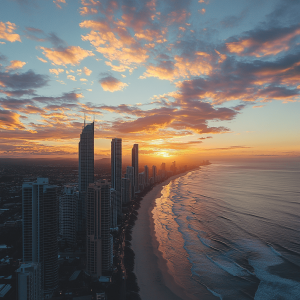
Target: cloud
(23,80)
(62,56)
(10,120)
(16,64)
(40,36)
(57,3)
(7,32)
(200,63)
(229,148)
(263,42)
(87,71)
(112,84)
(42,60)
(71,77)
(18,93)
(56,71)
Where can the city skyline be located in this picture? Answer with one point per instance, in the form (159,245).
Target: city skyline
(190,79)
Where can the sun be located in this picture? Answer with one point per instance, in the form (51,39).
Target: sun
(163,154)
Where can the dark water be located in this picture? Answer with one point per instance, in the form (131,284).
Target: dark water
(232,231)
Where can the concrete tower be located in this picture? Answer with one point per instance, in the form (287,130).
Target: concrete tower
(99,257)
(85,170)
(135,165)
(40,230)
(116,173)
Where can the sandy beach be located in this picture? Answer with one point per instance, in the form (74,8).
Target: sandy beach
(150,268)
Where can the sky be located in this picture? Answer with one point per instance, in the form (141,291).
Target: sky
(182,78)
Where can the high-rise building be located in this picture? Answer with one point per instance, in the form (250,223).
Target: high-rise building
(135,165)
(85,170)
(40,230)
(126,190)
(68,215)
(154,173)
(29,282)
(116,173)
(130,175)
(141,181)
(98,229)
(146,172)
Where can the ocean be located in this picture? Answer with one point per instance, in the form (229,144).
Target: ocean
(232,230)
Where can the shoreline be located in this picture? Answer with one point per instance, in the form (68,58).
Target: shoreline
(150,268)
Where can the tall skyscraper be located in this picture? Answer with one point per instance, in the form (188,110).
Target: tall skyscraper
(135,165)
(99,258)
(85,170)
(40,230)
(116,172)
(146,172)
(126,190)
(130,175)
(154,173)
(68,215)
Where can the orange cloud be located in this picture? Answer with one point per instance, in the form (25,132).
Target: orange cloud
(16,64)
(200,64)
(87,11)
(203,11)
(112,84)
(56,71)
(56,2)
(72,55)
(42,60)
(114,44)
(7,32)
(255,47)
(87,71)
(10,120)
(71,77)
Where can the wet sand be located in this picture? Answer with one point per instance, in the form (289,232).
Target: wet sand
(153,278)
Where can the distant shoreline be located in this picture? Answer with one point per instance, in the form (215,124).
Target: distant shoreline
(153,278)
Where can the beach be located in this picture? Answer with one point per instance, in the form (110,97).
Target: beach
(154,280)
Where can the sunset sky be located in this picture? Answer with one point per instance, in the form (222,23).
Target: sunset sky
(196,79)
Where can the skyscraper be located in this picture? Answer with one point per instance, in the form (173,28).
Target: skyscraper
(98,229)
(68,215)
(116,173)
(130,175)
(146,172)
(126,190)
(85,169)
(154,173)
(135,165)
(40,230)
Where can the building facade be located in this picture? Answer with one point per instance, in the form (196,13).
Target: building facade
(98,229)
(154,173)
(130,175)
(146,172)
(126,190)
(116,173)
(135,165)
(68,215)
(40,230)
(29,282)
(85,170)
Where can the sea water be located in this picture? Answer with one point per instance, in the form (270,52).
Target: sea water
(232,230)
